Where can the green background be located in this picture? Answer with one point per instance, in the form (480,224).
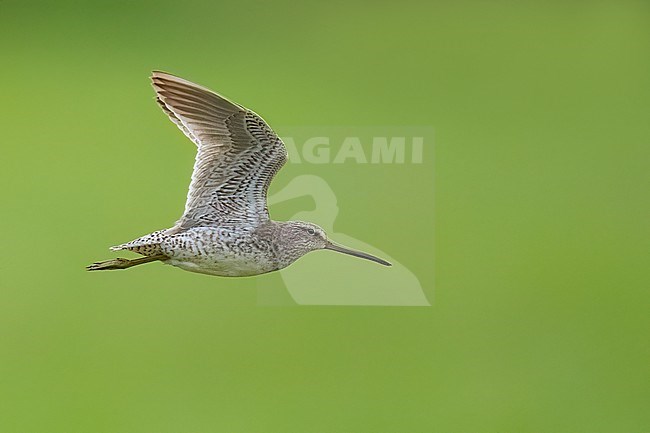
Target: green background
(533,249)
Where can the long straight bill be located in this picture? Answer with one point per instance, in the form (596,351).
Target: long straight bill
(341,249)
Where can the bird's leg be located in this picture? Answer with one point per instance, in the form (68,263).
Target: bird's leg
(120,263)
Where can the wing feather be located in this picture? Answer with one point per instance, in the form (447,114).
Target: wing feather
(238,154)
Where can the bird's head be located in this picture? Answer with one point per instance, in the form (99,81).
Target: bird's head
(302,236)
(297,238)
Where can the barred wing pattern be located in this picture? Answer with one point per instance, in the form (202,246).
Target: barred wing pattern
(237,154)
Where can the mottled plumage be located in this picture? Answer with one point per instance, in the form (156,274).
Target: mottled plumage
(225,228)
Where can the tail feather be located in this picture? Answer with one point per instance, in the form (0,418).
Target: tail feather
(148,245)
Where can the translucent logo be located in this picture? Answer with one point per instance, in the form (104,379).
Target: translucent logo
(361,145)
(325,277)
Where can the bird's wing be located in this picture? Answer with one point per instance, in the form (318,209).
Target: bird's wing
(238,154)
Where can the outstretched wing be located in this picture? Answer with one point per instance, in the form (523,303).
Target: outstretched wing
(237,154)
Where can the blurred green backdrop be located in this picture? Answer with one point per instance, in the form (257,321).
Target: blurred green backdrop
(539,321)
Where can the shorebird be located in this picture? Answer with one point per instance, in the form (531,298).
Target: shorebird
(225,229)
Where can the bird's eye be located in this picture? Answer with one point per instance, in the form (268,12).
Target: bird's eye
(311,231)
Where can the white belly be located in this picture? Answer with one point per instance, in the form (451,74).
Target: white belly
(214,251)
(240,267)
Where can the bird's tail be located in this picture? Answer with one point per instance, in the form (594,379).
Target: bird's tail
(148,245)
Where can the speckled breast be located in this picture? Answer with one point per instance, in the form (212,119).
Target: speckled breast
(220,251)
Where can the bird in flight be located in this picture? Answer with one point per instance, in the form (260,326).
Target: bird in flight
(225,229)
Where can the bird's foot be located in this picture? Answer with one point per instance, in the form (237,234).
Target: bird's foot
(118,263)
